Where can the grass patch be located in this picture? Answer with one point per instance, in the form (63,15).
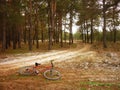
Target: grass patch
(51,85)
(43,47)
(97,83)
(17,51)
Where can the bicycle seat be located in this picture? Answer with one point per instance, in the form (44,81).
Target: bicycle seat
(37,64)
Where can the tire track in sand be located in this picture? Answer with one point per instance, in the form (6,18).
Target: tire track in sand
(44,58)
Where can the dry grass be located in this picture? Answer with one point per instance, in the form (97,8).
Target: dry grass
(98,46)
(43,47)
(71,80)
(73,77)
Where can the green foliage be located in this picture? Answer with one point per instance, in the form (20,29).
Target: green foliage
(93,83)
(110,35)
(77,36)
(118,35)
(84,10)
(98,36)
(67,35)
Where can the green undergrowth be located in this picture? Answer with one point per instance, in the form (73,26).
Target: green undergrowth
(43,47)
(95,83)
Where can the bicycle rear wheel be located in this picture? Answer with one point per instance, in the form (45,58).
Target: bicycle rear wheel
(52,74)
(28,70)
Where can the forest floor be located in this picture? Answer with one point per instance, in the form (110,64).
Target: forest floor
(85,67)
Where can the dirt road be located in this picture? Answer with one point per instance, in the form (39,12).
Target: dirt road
(30,58)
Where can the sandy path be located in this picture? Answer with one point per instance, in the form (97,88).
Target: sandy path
(30,59)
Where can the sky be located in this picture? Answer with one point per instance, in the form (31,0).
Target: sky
(75,28)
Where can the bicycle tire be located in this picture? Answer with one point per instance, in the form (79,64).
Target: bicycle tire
(24,70)
(55,74)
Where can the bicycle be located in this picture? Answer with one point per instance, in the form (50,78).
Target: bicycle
(48,72)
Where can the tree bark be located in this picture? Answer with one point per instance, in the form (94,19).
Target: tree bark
(51,20)
(104,25)
(60,29)
(36,29)
(65,31)
(91,31)
(49,25)
(14,38)
(25,29)
(114,29)
(87,33)
(4,35)
(82,35)
(30,23)
(19,37)
(4,28)
(71,35)
(42,34)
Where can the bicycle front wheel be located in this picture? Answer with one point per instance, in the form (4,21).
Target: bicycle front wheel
(52,74)
(28,70)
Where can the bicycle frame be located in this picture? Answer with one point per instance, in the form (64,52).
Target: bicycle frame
(44,68)
(48,71)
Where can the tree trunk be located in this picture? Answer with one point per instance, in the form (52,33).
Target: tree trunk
(111,34)
(87,32)
(30,23)
(60,29)
(49,25)
(91,31)
(71,35)
(57,29)
(65,31)
(42,34)
(4,28)
(114,29)
(82,35)
(19,37)
(4,35)
(115,32)
(51,21)
(104,25)
(14,36)
(25,36)
(25,29)
(36,29)
(9,37)
(37,39)
(87,36)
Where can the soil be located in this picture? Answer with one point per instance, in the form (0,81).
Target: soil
(82,68)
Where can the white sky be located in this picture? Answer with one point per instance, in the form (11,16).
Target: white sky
(75,28)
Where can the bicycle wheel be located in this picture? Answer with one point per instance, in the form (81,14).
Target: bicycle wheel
(52,74)
(28,70)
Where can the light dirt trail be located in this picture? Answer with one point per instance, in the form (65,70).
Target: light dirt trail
(30,59)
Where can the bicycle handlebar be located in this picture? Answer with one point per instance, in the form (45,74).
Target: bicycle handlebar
(37,64)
